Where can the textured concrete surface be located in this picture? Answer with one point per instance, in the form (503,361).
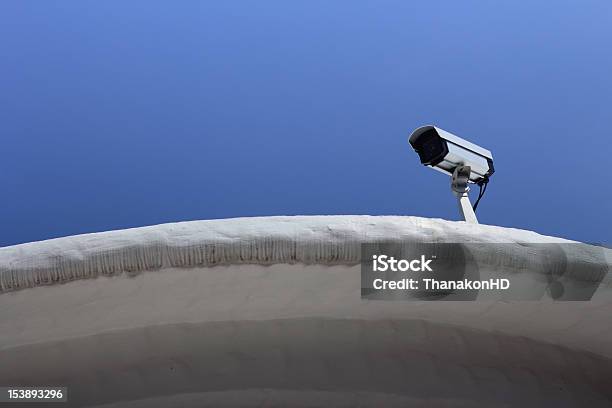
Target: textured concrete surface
(266,312)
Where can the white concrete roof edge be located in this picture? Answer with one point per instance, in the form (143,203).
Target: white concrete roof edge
(259,240)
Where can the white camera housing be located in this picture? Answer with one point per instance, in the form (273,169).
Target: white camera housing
(443,151)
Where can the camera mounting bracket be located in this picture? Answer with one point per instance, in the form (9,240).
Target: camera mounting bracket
(459,187)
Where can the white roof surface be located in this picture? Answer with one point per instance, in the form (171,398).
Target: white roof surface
(257,240)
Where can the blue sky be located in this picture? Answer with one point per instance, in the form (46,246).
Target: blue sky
(117,114)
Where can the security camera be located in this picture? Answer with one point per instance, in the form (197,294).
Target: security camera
(462,160)
(444,152)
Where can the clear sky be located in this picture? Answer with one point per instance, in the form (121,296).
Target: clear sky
(117,114)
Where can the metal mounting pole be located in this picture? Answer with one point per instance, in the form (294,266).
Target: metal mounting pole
(459,186)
